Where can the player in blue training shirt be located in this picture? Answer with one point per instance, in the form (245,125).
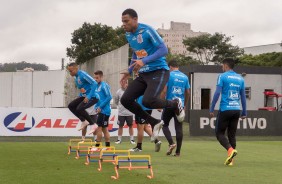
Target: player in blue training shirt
(103,108)
(148,60)
(231,86)
(87,97)
(177,87)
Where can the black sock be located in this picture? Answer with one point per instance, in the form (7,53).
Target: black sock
(156,141)
(97,144)
(107,144)
(139,145)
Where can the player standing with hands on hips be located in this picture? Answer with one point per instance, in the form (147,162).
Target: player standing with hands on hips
(231,86)
(148,60)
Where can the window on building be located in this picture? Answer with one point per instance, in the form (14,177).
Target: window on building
(205,98)
(248,92)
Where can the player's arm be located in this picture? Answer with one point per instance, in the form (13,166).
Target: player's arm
(108,98)
(117,97)
(93,85)
(243,102)
(160,52)
(186,99)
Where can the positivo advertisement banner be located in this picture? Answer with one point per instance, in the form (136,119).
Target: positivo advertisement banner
(257,123)
(53,122)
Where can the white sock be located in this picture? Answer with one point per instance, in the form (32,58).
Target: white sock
(83,137)
(95,137)
(132,138)
(119,138)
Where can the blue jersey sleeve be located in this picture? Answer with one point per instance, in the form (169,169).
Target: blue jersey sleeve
(93,84)
(154,37)
(187,85)
(160,52)
(215,97)
(220,81)
(243,100)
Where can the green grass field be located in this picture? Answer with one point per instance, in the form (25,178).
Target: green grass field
(201,161)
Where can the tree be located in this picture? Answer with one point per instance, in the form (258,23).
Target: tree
(90,41)
(13,67)
(267,59)
(212,48)
(182,60)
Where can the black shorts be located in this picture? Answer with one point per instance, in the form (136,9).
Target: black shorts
(103,120)
(139,120)
(123,119)
(94,118)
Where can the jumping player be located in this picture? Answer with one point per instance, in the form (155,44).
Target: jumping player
(231,86)
(148,60)
(87,96)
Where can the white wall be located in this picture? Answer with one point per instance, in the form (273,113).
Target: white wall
(6,89)
(257,82)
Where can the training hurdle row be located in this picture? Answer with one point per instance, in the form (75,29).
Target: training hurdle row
(75,144)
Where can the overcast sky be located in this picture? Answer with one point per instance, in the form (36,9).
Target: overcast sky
(40,30)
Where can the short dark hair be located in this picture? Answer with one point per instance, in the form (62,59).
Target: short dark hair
(132,13)
(230,62)
(98,72)
(173,63)
(73,64)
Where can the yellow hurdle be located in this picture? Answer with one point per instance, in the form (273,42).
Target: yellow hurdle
(133,159)
(82,148)
(73,144)
(111,153)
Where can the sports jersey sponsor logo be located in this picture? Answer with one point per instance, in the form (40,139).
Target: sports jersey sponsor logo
(233,77)
(234,85)
(78,80)
(139,38)
(234,95)
(141,53)
(248,123)
(178,80)
(177,90)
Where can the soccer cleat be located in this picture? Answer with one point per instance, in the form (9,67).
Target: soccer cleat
(230,157)
(158,146)
(179,112)
(170,149)
(156,130)
(118,142)
(83,125)
(231,163)
(132,142)
(135,149)
(82,141)
(176,154)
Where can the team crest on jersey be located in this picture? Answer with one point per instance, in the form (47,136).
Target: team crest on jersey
(140,38)
(78,80)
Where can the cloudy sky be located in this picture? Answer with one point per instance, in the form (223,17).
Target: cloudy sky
(40,30)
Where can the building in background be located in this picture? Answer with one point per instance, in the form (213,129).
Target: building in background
(173,37)
(261,49)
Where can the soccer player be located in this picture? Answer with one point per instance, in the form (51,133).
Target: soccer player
(148,60)
(103,108)
(177,87)
(143,126)
(86,99)
(231,86)
(124,115)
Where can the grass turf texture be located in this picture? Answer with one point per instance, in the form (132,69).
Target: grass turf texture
(201,161)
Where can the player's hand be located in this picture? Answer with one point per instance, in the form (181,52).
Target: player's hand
(98,110)
(136,65)
(82,90)
(211,114)
(85,100)
(124,78)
